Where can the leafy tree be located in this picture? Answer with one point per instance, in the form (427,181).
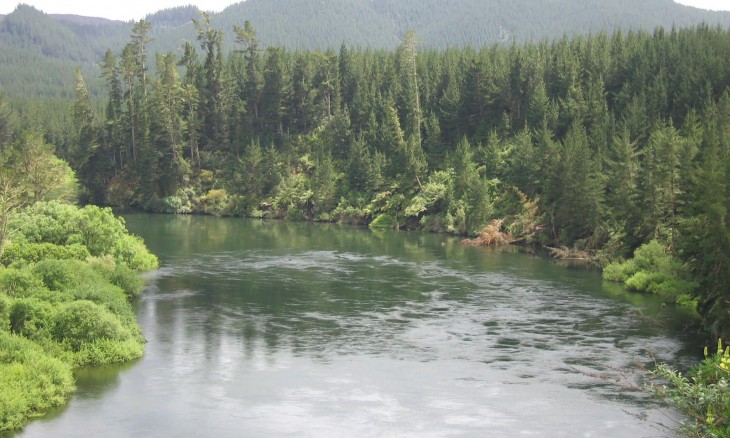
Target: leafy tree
(30,172)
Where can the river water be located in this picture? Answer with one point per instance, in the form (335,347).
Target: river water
(270,329)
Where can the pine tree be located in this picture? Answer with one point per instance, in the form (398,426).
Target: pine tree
(251,91)
(211,89)
(705,243)
(113,132)
(92,159)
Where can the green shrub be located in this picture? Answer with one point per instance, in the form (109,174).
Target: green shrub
(19,282)
(132,251)
(107,295)
(119,275)
(384,221)
(704,395)
(60,275)
(106,351)
(34,252)
(30,381)
(653,269)
(59,307)
(216,203)
(642,281)
(619,271)
(83,322)
(31,317)
(168,204)
(95,229)
(50,222)
(4,313)
(347,213)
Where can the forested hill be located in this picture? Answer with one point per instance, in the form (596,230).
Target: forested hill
(438,23)
(40,52)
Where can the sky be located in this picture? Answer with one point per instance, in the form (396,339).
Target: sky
(137,9)
(716,5)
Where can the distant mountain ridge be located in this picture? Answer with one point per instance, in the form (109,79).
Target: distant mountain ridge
(38,51)
(83,20)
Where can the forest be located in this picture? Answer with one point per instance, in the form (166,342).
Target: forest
(35,43)
(614,147)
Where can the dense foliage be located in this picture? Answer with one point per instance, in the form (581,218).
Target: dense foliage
(600,143)
(654,269)
(703,395)
(65,283)
(66,277)
(34,43)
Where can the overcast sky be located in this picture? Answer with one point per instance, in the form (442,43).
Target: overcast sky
(717,5)
(137,9)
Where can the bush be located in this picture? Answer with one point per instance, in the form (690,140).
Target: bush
(704,396)
(95,229)
(384,221)
(105,351)
(49,222)
(30,381)
(216,203)
(60,307)
(347,213)
(31,317)
(34,252)
(61,275)
(119,275)
(4,313)
(619,271)
(132,251)
(653,270)
(19,282)
(107,295)
(83,322)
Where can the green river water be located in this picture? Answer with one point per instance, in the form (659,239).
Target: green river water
(272,329)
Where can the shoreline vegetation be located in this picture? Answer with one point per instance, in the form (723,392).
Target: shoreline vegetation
(66,281)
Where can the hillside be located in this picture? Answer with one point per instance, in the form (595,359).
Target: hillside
(381,23)
(39,52)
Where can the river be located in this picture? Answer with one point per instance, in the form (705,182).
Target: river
(274,329)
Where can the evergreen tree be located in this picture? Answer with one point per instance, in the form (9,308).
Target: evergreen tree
(92,159)
(705,245)
(214,135)
(113,129)
(575,190)
(250,93)
(168,101)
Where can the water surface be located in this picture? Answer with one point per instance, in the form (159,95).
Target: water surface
(269,329)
